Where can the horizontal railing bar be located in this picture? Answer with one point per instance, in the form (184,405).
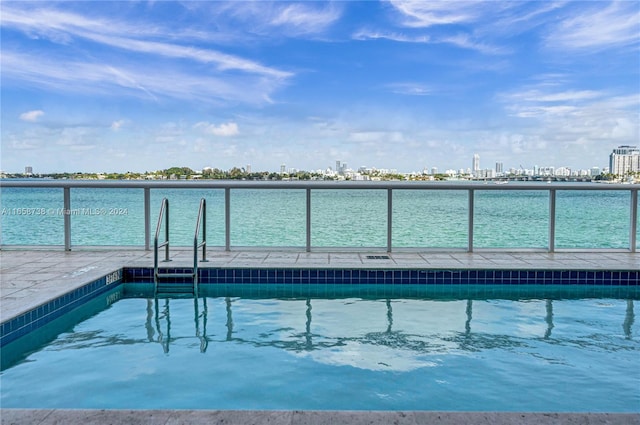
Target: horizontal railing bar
(364,185)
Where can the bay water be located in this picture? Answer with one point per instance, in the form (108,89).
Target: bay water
(340,218)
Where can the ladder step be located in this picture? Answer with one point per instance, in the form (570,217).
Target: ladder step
(175,289)
(167,275)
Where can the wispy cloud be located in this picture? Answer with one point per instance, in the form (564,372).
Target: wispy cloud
(422,14)
(146,81)
(31,116)
(66,26)
(279,18)
(224,129)
(305,18)
(598,27)
(117,125)
(364,34)
(466,41)
(158,68)
(452,19)
(411,89)
(576,116)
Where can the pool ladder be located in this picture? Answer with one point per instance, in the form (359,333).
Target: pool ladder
(160,279)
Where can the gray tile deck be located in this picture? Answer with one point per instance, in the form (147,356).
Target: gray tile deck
(29,278)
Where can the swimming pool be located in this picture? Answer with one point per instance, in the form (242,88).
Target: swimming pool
(343,347)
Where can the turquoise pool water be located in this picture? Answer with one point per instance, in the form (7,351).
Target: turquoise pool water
(463,348)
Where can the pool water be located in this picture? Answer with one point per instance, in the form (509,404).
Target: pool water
(462,352)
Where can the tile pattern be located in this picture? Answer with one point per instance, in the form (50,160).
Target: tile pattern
(393,277)
(49,311)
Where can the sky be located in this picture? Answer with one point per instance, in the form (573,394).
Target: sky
(116,86)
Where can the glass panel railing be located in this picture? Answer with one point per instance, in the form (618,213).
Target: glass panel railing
(268,217)
(511,219)
(103,217)
(31,216)
(430,218)
(349,218)
(592,219)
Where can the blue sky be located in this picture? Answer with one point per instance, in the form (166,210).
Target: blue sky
(137,86)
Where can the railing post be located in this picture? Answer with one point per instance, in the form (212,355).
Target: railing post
(552,220)
(204,229)
(470,229)
(389,218)
(67,218)
(227,219)
(166,231)
(147,219)
(308,221)
(634,220)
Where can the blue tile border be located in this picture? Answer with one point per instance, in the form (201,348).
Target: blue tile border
(314,276)
(39,316)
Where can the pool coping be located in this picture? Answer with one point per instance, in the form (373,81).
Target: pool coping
(305,417)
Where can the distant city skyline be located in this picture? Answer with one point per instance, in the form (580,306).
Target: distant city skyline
(139,86)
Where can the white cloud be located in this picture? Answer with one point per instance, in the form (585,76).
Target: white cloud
(156,71)
(411,89)
(364,34)
(376,137)
(422,14)
(465,41)
(595,28)
(116,125)
(575,122)
(302,18)
(225,129)
(139,80)
(31,116)
(109,32)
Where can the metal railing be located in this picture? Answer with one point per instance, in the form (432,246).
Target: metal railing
(164,213)
(309,186)
(201,221)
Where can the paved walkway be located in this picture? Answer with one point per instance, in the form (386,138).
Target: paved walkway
(257,417)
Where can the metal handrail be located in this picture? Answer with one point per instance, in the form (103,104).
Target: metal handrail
(309,186)
(164,213)
(202,218)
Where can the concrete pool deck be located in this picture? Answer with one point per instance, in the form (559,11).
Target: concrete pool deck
(255,417)
(31,277)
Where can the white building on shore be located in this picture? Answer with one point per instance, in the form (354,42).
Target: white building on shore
(624,160)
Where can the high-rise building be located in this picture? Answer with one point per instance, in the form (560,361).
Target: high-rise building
(28,170)
(476,163)
(499,168)
(283,167)
(624,160)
